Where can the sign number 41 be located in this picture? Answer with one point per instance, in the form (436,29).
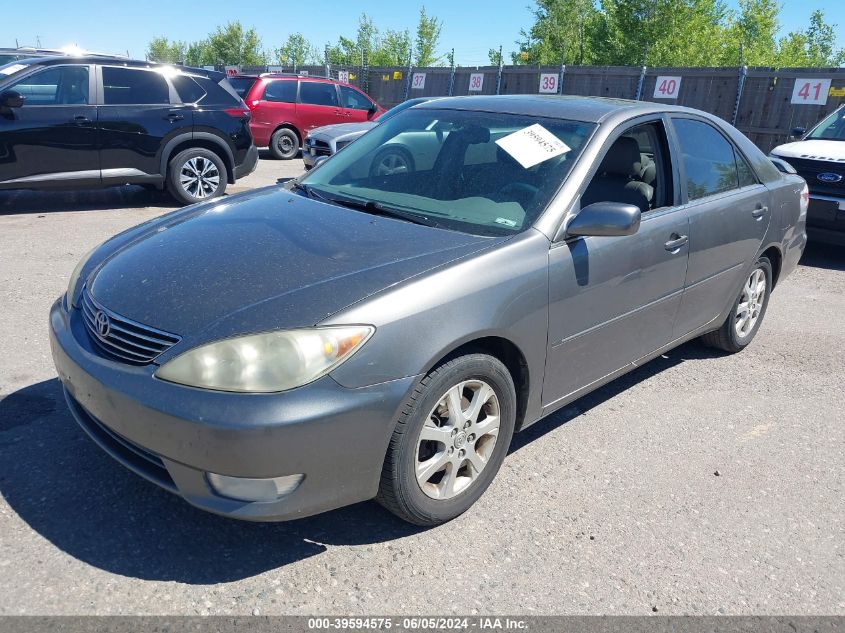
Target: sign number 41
(811,91)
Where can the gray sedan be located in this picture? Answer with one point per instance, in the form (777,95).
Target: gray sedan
(323,142)
(359,334)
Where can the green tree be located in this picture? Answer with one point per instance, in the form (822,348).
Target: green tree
(394,49)
(815,47)
(232,44)
(160,49)
(427,40)
(297,51)
(561,32)
(195,55)
(495,56)
(755,26)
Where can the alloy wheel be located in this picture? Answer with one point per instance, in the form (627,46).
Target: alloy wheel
(199,177)
(457,439)
(750,303)
(392,163)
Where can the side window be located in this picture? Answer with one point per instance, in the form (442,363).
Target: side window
(353,99)
(744,171)
(634,170)
(281,91)
(317,93)
(60,85)
(128,86)
(189,90)
(708,157)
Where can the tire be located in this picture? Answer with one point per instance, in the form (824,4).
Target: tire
(472,450)
(284,144)
(737,332)
(391,160)
(183,169)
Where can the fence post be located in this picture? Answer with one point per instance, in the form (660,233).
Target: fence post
(326,61)
(452,73)
(408,78)
(740,86)
(560,82)
(640,84)
(499,74)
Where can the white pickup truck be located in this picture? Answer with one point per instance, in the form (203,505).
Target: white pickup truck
(819,157)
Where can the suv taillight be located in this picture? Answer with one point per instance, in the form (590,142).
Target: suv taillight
(238,113)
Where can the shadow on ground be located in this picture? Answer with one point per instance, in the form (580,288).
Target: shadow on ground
(109,198)
(74,495)
(824,256)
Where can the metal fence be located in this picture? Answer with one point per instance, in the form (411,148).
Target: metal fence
(759,101)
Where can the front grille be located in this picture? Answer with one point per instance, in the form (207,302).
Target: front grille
(137,458)
(319,148)
(119,338)
(810,169)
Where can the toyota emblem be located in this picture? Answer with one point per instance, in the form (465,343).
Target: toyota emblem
(101,320)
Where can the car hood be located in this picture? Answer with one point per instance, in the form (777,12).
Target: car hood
(812,150)
(265,260)
(341,129)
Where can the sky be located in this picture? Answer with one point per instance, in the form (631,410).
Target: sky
(470,26)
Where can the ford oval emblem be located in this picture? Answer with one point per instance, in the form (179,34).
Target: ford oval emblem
(829,177)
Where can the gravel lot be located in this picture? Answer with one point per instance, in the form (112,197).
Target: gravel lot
(701,483)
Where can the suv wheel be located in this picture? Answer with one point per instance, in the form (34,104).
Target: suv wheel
(450,440)
(284,144)
(195,175)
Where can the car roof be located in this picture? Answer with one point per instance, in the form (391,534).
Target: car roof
(114,61)
(571,107)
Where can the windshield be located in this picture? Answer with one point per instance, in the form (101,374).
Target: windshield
(832,128)
(242,85)
(478,172)
(401,108)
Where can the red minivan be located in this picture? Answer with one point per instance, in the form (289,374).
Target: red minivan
(286,107)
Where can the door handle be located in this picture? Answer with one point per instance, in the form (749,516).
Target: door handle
(676,242)
(174,116)
(80,119)
(759,212)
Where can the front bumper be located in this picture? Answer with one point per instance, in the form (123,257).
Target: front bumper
(311,154)
(250,163)
(826,219)
(173,435)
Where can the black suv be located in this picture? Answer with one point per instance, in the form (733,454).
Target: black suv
(98,121)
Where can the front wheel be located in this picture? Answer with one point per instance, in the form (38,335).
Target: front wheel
(748,311)
(450,440)
(195,175)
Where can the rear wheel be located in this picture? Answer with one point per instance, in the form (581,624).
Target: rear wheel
(450,440)
(284,144)
(196,175)
(748,311)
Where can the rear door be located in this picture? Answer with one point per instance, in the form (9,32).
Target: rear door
(139,112)
(318,105)
(357,107)
(729,214)
(53,137)
(613,300)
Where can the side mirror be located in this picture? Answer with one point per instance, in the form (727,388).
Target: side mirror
(11,99)
(372,111)
(799,131)
(606,219)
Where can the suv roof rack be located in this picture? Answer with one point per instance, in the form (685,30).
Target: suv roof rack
(300,74)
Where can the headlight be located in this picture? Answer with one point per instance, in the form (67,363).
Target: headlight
(74,276)
(268,362)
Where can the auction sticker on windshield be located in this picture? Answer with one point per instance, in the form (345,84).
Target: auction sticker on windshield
(532,145)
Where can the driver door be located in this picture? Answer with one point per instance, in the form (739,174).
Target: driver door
(52,138)
(613,300)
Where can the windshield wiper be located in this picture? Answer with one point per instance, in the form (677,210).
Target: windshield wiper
(376,208)
(308,190)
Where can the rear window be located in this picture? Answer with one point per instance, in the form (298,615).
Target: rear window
(316,93)
(242,85)
(189,90)
(283,91)
(130,86)
(221,94)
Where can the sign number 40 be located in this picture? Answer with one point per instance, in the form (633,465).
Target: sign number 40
(811,91)
(667,87)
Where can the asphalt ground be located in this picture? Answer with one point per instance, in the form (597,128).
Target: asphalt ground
(702,483)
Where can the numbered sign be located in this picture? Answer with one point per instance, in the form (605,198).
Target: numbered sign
(343,76)
(476,82)
(548,83)
(811,91)
(667,87)
(418,81)
(231,71)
